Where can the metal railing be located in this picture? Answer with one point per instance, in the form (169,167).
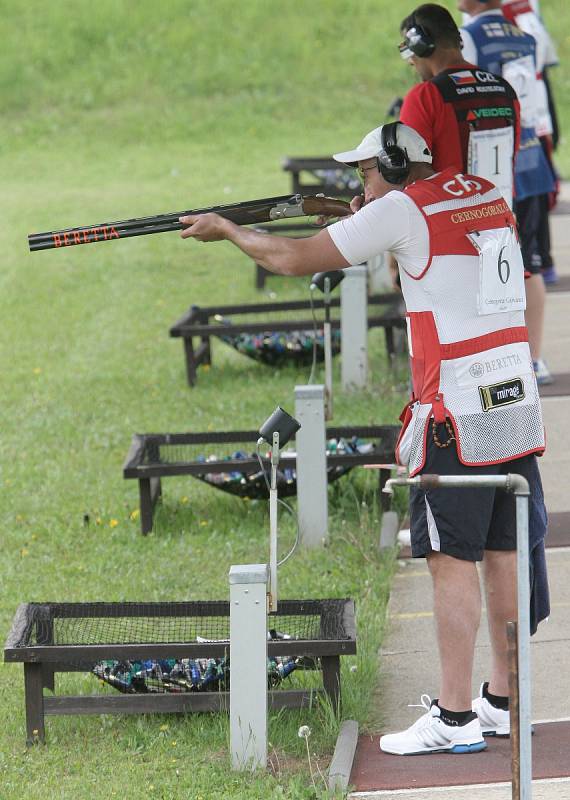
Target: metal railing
(520,713)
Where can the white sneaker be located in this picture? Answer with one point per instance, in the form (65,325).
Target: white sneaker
(542,373)
(494,721)
(430,734)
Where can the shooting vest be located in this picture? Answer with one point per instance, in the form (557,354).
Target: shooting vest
(468,341)
(485,107)
(521,14)
(504,49)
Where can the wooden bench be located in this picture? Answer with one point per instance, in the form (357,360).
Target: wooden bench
(313,174)
(154,456)
(298,230)
(73,637)
(199,323)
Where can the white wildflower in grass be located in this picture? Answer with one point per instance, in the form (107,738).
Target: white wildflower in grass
(304,732)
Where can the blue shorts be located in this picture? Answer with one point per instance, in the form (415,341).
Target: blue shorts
(465,522)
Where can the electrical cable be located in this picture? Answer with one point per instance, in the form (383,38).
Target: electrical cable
(261,464)
(297,535)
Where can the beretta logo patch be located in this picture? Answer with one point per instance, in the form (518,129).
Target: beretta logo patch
(501,394)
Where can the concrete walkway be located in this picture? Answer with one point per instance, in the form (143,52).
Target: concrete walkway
(408,660)
(554,789)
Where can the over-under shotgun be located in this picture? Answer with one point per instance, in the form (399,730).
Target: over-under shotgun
(248,213)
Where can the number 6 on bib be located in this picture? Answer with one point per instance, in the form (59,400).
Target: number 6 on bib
(501,272)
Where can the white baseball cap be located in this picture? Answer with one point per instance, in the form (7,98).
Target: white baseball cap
(407,138)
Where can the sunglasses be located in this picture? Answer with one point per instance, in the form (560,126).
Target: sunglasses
(405,51)
(361,172)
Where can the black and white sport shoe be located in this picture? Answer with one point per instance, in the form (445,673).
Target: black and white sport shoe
(430,734)
(494,721)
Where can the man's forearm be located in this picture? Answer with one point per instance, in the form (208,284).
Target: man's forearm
(279,254)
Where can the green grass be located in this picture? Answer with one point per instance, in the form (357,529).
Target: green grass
(121,109)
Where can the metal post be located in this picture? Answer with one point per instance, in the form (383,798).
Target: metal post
(354,328)
(519,486)
(272,595)
(379,273)
(514,712)
(248,665)
(312,485)
(328,370)
(328,351)
(523,635)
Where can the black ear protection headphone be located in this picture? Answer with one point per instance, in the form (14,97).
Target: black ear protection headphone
(393,161)
(418,40)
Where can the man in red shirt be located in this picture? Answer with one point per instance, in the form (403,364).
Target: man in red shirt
(470,118)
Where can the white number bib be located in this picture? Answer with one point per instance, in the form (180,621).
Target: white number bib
(521,74)
(490,155)
(501,272)
(544,120)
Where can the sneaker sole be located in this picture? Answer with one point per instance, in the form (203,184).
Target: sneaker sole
(468,748)
(503,733)
(457,749)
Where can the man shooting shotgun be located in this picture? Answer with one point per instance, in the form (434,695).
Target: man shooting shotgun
(474,409)
(248,213)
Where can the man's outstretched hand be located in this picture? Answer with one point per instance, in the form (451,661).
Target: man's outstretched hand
(356,203)
(204,227)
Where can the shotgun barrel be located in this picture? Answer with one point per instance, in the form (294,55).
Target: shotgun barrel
(247,213)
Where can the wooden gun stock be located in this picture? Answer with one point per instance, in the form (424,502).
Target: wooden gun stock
(325,206)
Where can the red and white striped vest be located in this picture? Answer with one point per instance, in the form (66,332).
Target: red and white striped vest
(470,367)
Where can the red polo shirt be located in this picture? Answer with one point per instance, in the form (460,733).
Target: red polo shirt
(446,108)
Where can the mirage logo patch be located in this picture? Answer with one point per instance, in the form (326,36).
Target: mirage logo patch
(501,394)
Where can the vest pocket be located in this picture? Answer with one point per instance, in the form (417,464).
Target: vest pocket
(404,442)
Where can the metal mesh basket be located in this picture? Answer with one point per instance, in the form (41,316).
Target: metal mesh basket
(279,347)
(197,627)
(113,639)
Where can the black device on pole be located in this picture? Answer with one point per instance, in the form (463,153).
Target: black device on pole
(279,422)
(335,276)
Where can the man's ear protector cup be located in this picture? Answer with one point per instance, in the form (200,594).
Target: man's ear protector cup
(419,41)
(393,161)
